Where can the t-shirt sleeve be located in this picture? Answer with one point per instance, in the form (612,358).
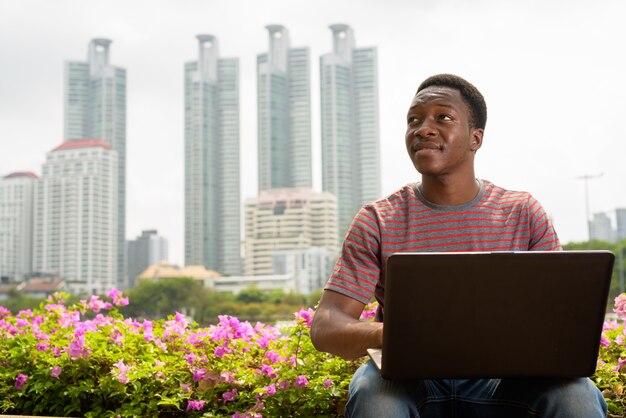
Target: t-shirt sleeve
(543,237)
(358,268)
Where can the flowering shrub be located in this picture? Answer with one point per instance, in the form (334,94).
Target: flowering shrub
(610,374)
(75,360)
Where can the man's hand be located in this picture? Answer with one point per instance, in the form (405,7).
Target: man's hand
(336,327)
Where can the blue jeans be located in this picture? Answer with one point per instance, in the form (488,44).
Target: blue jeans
(373,396)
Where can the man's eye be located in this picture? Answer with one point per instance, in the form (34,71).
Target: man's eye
(445,117)
(411,119)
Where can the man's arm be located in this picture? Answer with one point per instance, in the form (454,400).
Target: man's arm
(336,327)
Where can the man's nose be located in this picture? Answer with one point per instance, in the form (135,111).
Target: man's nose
(425,130)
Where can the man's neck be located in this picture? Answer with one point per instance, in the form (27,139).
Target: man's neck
(449,192)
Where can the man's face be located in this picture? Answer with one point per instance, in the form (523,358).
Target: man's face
(439,136)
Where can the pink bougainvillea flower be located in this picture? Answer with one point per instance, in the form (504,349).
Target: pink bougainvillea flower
(114,293)
(620,306)
(4,312)
(229,396)
(117,297)
(20,381)
(68,319)
(272,356)
(195,405)
(96,305)
(271,389)
(186,387)
(56,371)
(610,325)
(263,342)
(268,370)
(190,357)
(369,311)
(198,374)
(122,371)
(284,385)
(605,341)
(118,337)
(77,347)
(181,320)
(26,313)
(620,363)
(301,381)
(220,351)
(328,383)
(227,377)
(160,344)
(305,315)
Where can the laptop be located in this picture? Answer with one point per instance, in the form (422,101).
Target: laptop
(493,315)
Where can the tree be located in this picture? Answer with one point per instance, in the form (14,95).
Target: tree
(162,297)
(251,294)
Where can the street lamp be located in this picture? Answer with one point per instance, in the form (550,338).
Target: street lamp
(586,178)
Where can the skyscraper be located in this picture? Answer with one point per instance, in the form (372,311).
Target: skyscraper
(284,113)
(16,225)
(212,179)
(95,107)
(350,129)
(147,249)
(75,219)
(620,218)
(600,228)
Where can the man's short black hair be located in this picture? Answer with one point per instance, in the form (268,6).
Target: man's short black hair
(470,95)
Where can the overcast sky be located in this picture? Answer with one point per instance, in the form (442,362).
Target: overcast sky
(552,72)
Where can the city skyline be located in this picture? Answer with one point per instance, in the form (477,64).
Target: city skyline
(534,64)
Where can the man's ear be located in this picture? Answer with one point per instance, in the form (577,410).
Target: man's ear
(476,139)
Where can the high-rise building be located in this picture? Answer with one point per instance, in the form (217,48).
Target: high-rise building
(350,127)
(95,107)
(75,216)
(620,217)
(16,225)
(284,113)
(147,249)
(600,228)
(288,219)
(212,179)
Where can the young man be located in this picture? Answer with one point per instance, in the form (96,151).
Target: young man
(449,210)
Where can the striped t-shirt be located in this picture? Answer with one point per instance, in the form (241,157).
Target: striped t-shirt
(495,220)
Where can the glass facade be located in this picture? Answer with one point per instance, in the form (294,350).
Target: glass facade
(284,114)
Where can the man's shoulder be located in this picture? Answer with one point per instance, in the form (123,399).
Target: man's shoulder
(398,200)
(497,194)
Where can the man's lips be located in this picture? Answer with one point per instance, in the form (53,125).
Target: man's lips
(426,145)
